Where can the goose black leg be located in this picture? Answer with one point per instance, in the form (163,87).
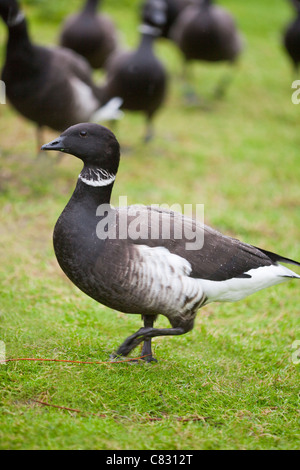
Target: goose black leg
(149,130)
(147,350)
(222,87)
(147,333)
(189,92)
(191,98)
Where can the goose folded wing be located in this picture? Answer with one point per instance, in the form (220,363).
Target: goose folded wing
(73,65)
(218,257)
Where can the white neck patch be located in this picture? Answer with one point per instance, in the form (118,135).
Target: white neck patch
(14,21)
(148,29)
(96,177)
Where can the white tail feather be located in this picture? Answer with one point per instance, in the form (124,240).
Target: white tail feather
(109,112)
(238,288)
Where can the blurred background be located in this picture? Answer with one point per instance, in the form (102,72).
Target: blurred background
(242,148)
(237,155)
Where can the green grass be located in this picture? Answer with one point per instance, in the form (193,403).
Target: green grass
(231,382)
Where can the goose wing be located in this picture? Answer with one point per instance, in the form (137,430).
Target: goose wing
(210,254)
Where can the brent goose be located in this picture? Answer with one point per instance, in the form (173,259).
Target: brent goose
(138,77)
(51,87)
(206,32)
(90,34)
(291,37)
(173,8)
(135,271)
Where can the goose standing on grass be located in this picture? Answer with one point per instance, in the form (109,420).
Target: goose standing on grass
(291,37)
(90,34)
(173,8)
(51,87)
(206,32)
(138,77)
(122,257)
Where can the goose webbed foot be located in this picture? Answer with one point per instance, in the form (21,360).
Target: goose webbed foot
(194,101)
(146,334)
(191,98)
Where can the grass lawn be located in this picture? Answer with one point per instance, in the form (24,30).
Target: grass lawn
(231,383)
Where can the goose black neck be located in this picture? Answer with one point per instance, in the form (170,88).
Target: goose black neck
(18,34)
(91,6)
(146,41)
(19,43)
(92,196)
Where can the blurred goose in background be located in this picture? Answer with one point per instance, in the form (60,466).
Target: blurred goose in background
(291,37)
(52,87)
(125,259)
(206,32)
(90,34)
(138,77)
(173,8)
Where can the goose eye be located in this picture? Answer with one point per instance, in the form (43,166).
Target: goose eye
(83,134)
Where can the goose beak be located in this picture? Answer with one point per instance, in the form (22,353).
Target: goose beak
(57,144)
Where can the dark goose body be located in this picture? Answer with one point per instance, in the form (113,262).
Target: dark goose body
(50,86)
(206,32)
(130,276)
(40,91)
(291,37)
(90,34)
(138,77)
(147,276)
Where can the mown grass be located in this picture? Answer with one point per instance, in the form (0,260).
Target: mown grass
(231,382)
